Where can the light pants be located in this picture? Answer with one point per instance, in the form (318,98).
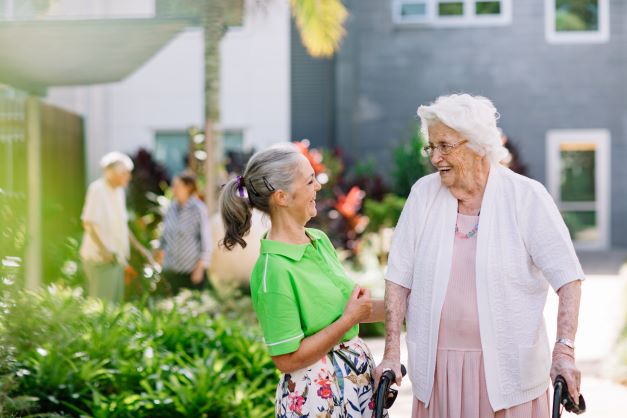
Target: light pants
(105,280)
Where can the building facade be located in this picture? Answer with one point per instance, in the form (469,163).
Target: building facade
(555,69)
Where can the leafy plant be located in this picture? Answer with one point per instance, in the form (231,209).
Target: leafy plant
(384,213)
(409,163)
(66,354)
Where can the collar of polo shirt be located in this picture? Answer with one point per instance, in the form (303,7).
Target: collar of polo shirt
(293,251)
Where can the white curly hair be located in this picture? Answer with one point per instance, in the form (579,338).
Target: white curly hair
(474,117)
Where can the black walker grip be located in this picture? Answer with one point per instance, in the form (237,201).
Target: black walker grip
(385,396)
(562,397)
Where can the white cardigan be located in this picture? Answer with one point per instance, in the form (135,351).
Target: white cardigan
(522,244)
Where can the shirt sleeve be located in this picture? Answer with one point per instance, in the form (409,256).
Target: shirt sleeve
(93,210)
(400,268)
(548,241)
(280,321)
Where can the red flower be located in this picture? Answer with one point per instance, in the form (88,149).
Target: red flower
(371,404)
(325,392)
(313,155)
(296,402)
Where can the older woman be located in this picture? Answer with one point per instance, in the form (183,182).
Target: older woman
(185,244)
(105,249)
(309,310)
(474,252)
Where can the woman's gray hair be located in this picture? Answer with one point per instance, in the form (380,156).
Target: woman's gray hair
(267,171)
(472,116)
(116,161)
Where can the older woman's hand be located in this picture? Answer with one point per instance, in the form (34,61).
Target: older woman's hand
(564,365)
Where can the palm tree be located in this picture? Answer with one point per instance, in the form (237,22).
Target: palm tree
(320,23)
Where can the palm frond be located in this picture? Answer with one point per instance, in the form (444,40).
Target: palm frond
(321,25)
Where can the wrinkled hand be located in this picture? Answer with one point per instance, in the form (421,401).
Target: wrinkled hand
(564,365)
(392,364)
(359,305)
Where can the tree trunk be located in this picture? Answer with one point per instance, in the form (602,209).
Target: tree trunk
(214,28)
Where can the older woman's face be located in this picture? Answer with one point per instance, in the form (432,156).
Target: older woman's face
(457,167)
(118,176)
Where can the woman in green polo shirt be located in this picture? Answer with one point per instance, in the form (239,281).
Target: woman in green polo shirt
(309,310)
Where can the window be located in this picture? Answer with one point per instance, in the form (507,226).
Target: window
(452,12)
(171,150)
(233,140)
(577,21)
(578,171)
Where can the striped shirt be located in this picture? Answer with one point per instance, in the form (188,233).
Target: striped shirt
(186,237)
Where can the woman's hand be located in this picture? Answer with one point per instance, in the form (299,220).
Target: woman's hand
(391,364)
(198,273)
(359,305)
(564,365)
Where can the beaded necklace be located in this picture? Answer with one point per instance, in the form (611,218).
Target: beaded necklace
(469,234)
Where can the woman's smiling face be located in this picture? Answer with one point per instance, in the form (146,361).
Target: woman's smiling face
(302,204)
(457,167)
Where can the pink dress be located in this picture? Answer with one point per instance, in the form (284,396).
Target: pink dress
(459,388)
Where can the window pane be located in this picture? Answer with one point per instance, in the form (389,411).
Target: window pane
(171,150)
(488,8)
(233,140)
(413,9)
(577,173)
(582,225)
(451,9)
(576,15)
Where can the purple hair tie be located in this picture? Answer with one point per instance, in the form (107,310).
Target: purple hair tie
(240,186)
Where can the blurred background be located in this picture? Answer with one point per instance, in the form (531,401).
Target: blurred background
(200,85)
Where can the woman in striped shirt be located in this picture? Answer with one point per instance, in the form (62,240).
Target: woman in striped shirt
(186,239)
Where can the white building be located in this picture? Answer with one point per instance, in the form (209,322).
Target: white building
(154,107)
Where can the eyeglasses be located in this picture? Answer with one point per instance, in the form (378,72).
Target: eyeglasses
(445,149)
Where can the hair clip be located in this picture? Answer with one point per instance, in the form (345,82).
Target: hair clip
(268,185)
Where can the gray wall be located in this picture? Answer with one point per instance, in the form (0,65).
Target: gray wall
(384,71)
(312,93)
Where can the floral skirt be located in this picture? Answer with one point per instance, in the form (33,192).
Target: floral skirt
(339,385)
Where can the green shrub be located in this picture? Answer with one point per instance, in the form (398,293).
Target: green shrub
(65,354)
(385,213)
(409,163)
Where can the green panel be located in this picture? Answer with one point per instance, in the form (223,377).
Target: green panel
(451,9)
(171,150)
(582,225)
(488,8)
(576,15)
(577,176)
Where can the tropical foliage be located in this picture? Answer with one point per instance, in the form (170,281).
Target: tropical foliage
(61,353)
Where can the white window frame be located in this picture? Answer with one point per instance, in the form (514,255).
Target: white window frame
(602,35)
(601,139)
(469,18)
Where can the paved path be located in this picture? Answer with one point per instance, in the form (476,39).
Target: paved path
(602,317)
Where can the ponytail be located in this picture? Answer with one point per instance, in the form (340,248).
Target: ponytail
(236,214)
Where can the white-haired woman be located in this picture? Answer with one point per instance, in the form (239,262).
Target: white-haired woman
(308,308)
(473,254)
(105,248)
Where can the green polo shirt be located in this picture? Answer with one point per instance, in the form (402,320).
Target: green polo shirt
(297,290)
